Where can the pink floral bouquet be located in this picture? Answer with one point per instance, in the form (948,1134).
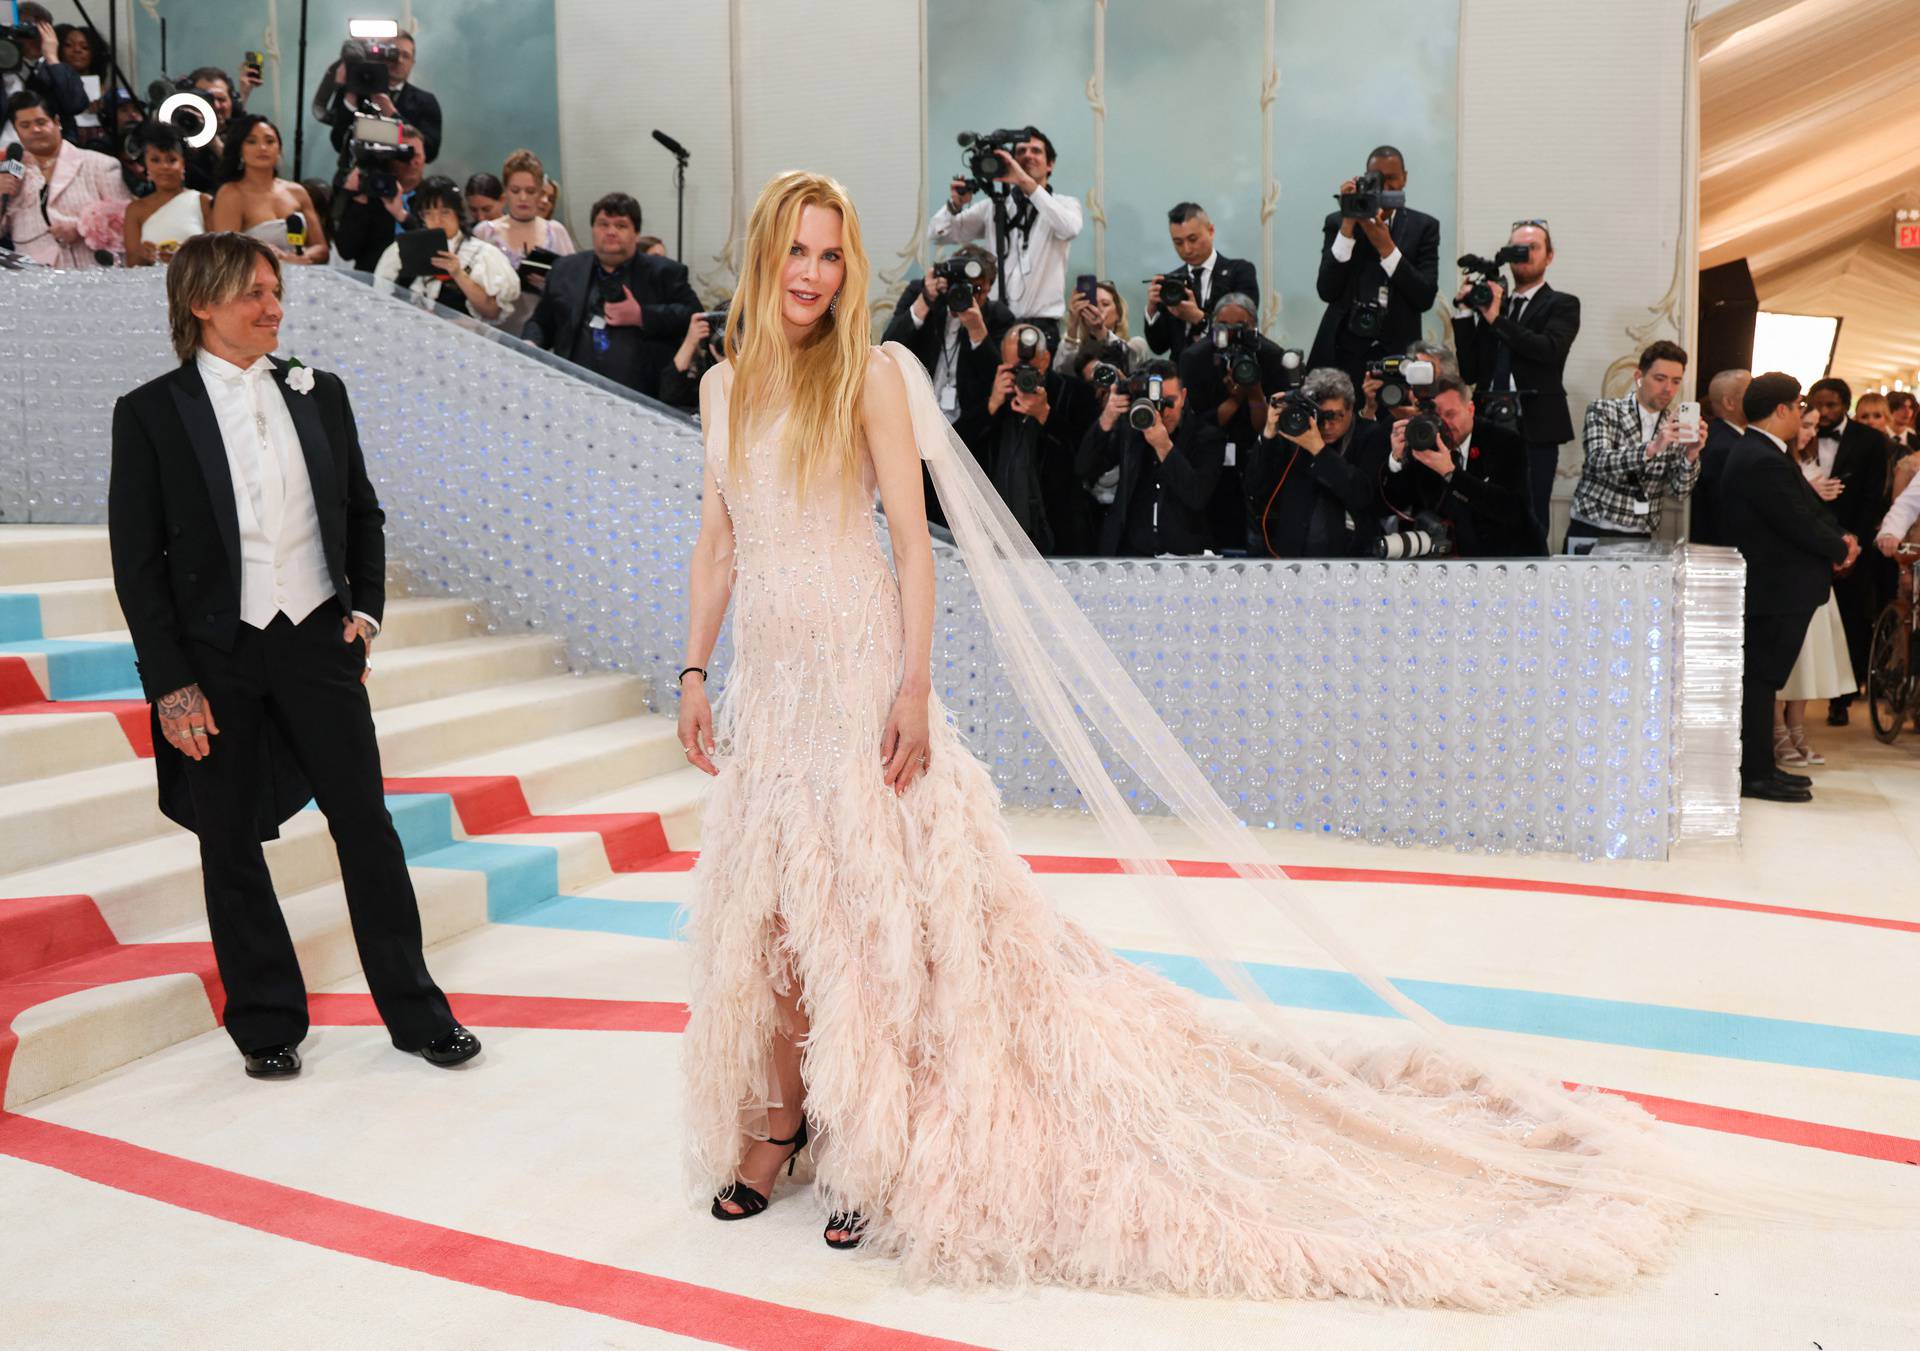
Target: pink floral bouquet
(103,225)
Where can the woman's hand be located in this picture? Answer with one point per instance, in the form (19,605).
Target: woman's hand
(449,262)
(696,723)
(1827,488)
(903,743)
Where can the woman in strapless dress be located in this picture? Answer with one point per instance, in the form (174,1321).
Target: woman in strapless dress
(254,198)
(160,222)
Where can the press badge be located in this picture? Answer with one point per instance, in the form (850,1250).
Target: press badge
(1229,459)
(1642,507)
(950,399)
(598,321)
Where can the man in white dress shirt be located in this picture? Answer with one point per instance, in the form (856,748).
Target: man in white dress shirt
(1042,225)
(249,561)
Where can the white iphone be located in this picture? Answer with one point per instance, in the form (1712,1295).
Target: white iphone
(1686,420)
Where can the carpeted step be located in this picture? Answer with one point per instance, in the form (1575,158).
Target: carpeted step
(53,553)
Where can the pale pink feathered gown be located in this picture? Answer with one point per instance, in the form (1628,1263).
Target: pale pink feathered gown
(1005,1099)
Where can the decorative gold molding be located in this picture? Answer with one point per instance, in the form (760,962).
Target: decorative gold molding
(1269,185)
(889,282)
(725,276)
(1097,101)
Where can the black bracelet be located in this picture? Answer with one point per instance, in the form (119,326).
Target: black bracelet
(683,673)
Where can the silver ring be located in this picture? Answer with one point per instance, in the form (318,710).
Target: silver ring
(197,731)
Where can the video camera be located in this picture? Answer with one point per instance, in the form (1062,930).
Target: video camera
(1368,198)
(978,149)
(376,145)
(1402,379)
(1430,537)
(1481,271)
(369,63)
(966,279)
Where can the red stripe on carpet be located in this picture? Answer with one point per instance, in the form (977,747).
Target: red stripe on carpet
(495,804)
(17,685)
(507,1010)
(38,931)
(1784,1130)
(687,1310)
(134,720)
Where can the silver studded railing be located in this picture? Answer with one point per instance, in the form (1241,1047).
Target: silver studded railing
(1486,706)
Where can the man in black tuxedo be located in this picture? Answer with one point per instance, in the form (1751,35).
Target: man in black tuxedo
(1207,275)
(1772,516)
(616,311)
(1377,276)
(1860,458)
(1726,427)
(1475,479)
(1168,472)
(1901,408)
(249,563)
(1519,342)
(404,100)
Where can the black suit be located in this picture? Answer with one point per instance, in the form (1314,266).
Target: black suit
(1172,336)
(1181,486)
(1705,526)
(1203,375)
(1485,499)
(59,84)
(667,303)
(1028,460)
(287,699)
(1864,462)
(975,366)
(1298,504)
(1532,350)
(416,107)
(1410,291)
(1767,511)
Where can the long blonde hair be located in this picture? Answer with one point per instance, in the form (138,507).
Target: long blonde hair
(822,378)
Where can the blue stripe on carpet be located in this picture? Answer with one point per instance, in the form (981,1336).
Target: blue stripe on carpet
(19,617)
(81,670)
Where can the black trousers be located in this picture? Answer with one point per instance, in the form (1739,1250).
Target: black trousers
(1859,603)
(307,681)
(1773,644)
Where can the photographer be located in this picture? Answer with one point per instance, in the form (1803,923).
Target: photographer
(1470,474)
(700,351)
(1231,346)
(1519,342)
(1041,226)
(1310,491)
(1076,506)
(337,105)
(1021,434)
(615,310)
(1379,269)
(42,72)
(1169,460)
(955,343)
(1636,454)
(1178,302)
(363,223)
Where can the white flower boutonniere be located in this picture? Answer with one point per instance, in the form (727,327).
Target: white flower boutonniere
(299,378)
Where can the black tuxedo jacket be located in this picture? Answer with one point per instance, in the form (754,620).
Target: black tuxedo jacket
(667,303)
(973,381)
(1168,334)
(1539,341)
(1768,511)
(1410,291)
(1864,462)
(174,535)
(1189,475)
(1705,526)
(1486,500)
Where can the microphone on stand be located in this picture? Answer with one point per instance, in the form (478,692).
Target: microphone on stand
(670,143)
(297,231)
(679,190)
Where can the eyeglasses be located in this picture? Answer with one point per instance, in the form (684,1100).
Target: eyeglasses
(1523,224)
(1323,416)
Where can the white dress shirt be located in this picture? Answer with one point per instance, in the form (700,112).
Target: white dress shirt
(1036,271)
(1829,447)
(283,567)
(1342,250)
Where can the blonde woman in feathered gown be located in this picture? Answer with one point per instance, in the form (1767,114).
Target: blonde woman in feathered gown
(985,1093)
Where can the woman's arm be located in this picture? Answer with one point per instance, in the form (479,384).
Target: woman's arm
(710,568)
(316,249)
(896,461)
(137,253)
(227,211)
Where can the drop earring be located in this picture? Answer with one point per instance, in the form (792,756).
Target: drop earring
(833,306)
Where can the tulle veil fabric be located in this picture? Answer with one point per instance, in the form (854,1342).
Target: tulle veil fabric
(1074,689)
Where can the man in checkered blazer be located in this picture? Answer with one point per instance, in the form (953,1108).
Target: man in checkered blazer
(1635,456)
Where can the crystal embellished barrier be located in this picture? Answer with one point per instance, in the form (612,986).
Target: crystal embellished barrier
(1584,706)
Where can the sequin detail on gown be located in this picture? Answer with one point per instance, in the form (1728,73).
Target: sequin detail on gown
(1006,1100)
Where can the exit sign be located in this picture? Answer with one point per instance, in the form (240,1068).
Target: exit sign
(1906,235)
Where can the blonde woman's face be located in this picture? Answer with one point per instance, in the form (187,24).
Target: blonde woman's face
(816,266)
(1872,415)
(1109,308)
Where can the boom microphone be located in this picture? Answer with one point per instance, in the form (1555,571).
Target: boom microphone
(671,144)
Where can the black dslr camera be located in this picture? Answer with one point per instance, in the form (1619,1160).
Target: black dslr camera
(965,278)
(1430,537)
(1236,352)
(715,349)
(1368,198)
(1502,408)
(1102,375)
(1480,271)
(369,64)
(977,153)
(1424,432)
(1294,410)
(13,36)
(1402,379)
(1028,377)
(1148,400)
(1176,287)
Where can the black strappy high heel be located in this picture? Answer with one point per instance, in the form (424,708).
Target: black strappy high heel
(850,1220)
(750,1201)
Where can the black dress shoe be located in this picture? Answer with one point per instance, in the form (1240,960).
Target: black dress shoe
(455,1048)
(1795,780)
(1836,715)
(1772,790)
(272,1062)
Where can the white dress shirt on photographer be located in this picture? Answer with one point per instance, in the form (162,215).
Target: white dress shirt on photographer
(1036,271)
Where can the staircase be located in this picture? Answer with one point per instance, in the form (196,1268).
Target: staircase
(516,788)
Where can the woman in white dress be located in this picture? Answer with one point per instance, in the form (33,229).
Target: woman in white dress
(1823,670)
(987,1094)
(255,200)
(472,276)
(522,229)
(171,214)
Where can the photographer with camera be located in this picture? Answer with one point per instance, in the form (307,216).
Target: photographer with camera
(1169,460)
(1179,301)
(615,310)
(372,78)
(1638,451)
(1515,341)
(1379,269)
(704,347)
(1026,225)
(1446,466)
(1022,435)
(375,202)
(1311,493)
(41,71)
(951,322)
(1228,373)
